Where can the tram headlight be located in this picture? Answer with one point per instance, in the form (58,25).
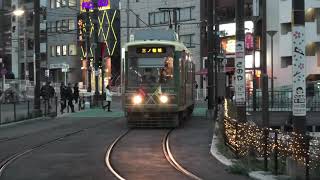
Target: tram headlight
(137,99)
(164,99)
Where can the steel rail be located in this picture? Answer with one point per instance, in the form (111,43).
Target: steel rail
(108,156)
(5,163)
(170,158)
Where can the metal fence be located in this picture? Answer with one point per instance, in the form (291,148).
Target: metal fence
(23,110)
(281,101)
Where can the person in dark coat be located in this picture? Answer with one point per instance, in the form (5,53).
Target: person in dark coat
(63,97)
(76,92)
(45,92)
(69,95)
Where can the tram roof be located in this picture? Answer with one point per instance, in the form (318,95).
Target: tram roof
(178,45)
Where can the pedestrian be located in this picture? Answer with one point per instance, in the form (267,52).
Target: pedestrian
(63,97)
(108,99)
(76,92)
(45,92)
(52,92)
(70,96)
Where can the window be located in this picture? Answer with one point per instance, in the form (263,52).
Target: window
(49,27)
(64,24)
(53,51)
(52,4)
(58,52)
(72,2)
(286,61)
(58,3)
(185,14)
(64,50)
(158,18)
(187,40)
(58,26)
(71,24)
(53,26)
(63,3)
(72,50)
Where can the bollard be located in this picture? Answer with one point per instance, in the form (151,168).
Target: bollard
(28,109)
(14,111)
(307,156)
(0,114)
(276,152)
(56,101)
(265,150)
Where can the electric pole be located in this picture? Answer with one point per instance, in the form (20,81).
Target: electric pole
(298,66)
(97,53)
(210,58)
(240,82)
(36,105)
(88,50)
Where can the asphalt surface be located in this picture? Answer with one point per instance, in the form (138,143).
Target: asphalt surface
(82,156)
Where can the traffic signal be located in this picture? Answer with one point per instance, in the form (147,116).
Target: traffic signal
(100,62)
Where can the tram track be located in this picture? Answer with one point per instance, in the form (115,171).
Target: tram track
(165,149)
(12,158)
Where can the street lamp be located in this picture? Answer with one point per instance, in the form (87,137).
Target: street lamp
(271,33)
(18,12)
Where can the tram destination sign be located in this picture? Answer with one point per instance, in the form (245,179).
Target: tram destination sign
(151,50)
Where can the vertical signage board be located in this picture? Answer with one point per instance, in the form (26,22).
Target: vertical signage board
(298,71)
(240,78)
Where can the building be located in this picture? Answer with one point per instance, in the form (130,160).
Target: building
(63,55)
(5,33)
(140,14)
(280,21)
(67,41)
(107,42)
(17,38)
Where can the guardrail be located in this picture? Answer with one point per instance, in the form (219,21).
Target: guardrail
(23,110)
(282,101)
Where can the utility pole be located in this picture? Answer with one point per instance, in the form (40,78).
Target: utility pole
(97,53)
(265,79)
(128,21)
(240,83)
(298,66)
(25,48)
(216,59)
(271,34)
(36,106)
(210,58)
(88,50)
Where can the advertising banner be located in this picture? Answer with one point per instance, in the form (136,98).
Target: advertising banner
(240,78)
(298,71)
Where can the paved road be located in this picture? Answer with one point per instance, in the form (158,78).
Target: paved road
(82,155)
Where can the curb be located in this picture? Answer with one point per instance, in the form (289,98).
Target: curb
(24,122)
(257,175)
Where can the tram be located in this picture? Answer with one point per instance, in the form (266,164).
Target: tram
(158,77)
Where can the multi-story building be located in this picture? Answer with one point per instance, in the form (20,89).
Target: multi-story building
(67,40)
(281,22)
(140,14)
(17,38)
(5,33)
(63,56)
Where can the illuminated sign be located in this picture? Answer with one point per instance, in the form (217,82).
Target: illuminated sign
(229,45)
(151,50)
(88,4)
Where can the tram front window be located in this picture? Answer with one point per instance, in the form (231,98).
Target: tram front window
(150,71)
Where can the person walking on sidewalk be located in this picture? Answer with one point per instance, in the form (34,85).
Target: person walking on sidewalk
(45,92)
(70,97)
(108,98)
(63,97)
(76,92)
